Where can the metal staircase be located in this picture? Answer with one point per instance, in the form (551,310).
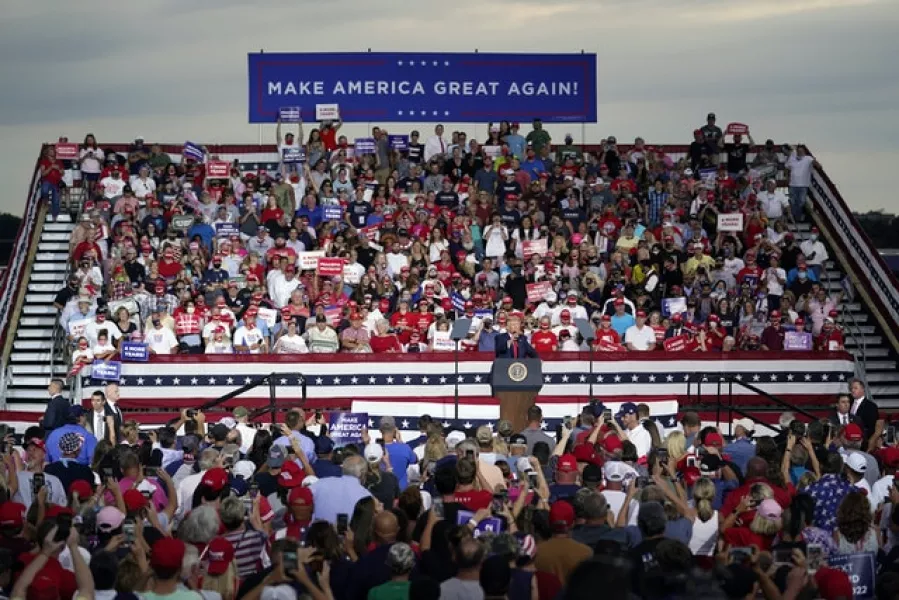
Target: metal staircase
(35,356)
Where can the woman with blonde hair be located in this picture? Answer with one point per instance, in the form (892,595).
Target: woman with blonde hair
(676,444)
(220,574)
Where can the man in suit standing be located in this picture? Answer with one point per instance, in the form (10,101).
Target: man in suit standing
(863,409)
(113,413)
(840,416)
(57,413)
(513,343)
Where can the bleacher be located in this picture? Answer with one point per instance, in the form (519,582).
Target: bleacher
(33,352)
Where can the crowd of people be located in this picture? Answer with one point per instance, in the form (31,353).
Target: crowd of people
(100,507)
(382,252)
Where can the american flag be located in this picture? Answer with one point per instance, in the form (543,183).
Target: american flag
(407,386)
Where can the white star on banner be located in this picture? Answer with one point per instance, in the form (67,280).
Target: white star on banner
(407,379)
(399,112)
(600,378)
(461,378)
(424,379)
(389,380)
(652,379)
(617,378)
(687,378)
(669,378)
(446,113)
(582,378)
(564,378)
(337,381)
(230,381)
(842,377)
(122,381)
(212,381)
(405,424)
(446,63)
(354,380)
(247,380)
(193,381)
(489,426)
(319,381)
(773,376)
(756,377)
(825,377)
(424,64)
(434,113)
(371,423)
(158,381)
(477,379)
(140,381)
(372,380)
(467,425)
(435,63)
(443,380)
(790,377)
(445,424)
(542,424)
(547,378)
(399,62)
(283,381)
(808,377)
(634,378)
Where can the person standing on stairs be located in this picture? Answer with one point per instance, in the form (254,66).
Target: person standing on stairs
(113,414)
(57,413)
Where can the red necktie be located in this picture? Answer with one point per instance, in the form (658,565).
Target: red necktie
(442,147)
(514,348)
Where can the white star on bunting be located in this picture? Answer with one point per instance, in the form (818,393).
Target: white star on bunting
(354,380)
(337,381)
(617,378)
(652,379)
(405,424)
(443,380)
(212,381)
(407,379)
(477,378)
(319,381)
(283,381)
(158,381)
(582,378)
(467,425)
(372,380)
(634,378)
(424,379)
(230,381)
(669,378)
(756,377)
(390,380)
(140,381)
(564,378)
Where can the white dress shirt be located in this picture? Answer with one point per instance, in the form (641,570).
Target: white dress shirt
(433,146)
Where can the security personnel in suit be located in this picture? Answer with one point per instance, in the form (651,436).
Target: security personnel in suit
(863,409)
(57,413)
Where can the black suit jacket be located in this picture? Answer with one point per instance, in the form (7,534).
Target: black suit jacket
(836,421)
(868,414)
(504,347)
(116,414)
(57,413)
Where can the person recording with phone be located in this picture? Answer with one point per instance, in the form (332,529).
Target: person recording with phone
(33,479)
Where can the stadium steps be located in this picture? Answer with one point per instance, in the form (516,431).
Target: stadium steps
(29,367)
(875,355)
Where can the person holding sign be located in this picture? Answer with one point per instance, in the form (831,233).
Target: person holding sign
(288,145)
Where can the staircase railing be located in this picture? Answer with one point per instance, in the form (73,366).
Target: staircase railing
(60,337)
(269,380)
(725,399)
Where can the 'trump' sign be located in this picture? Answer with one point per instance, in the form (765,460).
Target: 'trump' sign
(426,86)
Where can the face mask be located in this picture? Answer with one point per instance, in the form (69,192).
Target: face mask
(803,276)
(813,237)
(191,310)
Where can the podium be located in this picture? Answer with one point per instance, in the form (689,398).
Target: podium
(516,383)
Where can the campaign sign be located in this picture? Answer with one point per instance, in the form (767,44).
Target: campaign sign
(329,267)
(860,568)
(290,114)
(442,342)
(327,112)
(218,169)
(730,221)
(797,340)
(676,344)
(673,306)
(346,427)
(426,86)
(106,371)
(398,142)
(193,151)
(307,261)
(364,145)
(332,212)
(76,328)
(182,222)
(492,151)
(530,248)
(296,154)
(737,129)
(488,525)
(333,314)
(135,351)
(268,315)
(224,230)
(537,291)
(66,151)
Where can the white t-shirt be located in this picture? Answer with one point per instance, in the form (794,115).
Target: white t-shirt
(616,498)
(800,170)
(775,287)
(773,203)
(91,160)
(161,340)
(143,187)
(247,337)
(223,347)
(642,338)
(112,187)
(640,438)
(291,344)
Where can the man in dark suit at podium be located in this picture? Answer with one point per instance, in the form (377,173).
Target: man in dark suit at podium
(513,343)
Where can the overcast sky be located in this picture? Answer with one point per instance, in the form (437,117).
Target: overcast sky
(820,71)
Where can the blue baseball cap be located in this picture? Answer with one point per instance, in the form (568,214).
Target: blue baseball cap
(628,408)
(323,445)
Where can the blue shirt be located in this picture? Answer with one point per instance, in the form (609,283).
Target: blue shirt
(87,448)
(336,495)
(315,215)
(516,143)
(828,492)
(306,444)
(533,168)
(622,322)
(401,456)
(205,232)
(740,451)
(487,341)
(326,468)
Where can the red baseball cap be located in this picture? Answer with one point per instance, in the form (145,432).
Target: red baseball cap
(167,553)
(567,464)
(586,453)
(134,500)
(12,514)
(561,515)
(300,495)
(221,555)
(641,314)
(291,475)
(775,314)
(853,433)
(82,487)
(606,318)
(612,443)
(215,479)
(833,583)
(714,439)
(889,457)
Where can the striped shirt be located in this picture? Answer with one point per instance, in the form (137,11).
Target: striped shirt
(250,546)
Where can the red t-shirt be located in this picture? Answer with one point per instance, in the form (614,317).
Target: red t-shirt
(750,273)
(474,500)
(422,321)
(65,579)
(606,336)
(329,138)
(544,341)
(383,343)
(398,319)
(53,176)
(169,270)
(743,537)
(822,342)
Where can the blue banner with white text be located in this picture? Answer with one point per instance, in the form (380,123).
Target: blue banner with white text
(403,87)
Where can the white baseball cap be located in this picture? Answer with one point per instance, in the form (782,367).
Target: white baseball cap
(373,452)
(615,471)
(857,462)
(453,438)
(746,424)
